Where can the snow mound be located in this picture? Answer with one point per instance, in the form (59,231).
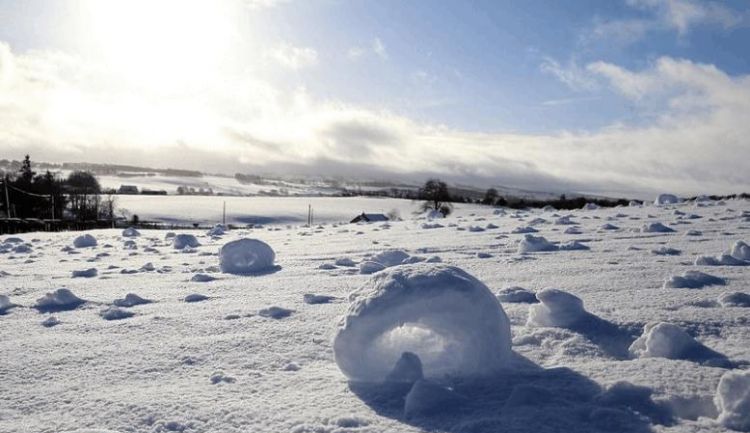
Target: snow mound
(741,251)
(344,261)
(85,273)
(733,400)
(390,257)
(5,304)
(184,240)
(130,232)
(590,206)
(246,256)
(218,230)
(51,321)
(202,278)
(573,231)
(557,308)
(195,297)
(734,299)
(131,300)
(517,295)
(275,312)
(313,299)
(656,227)
(369,267)
(666,251)
(720,260)
(665,340)
(59,300)
(532,244)
(115,313)
(22,249)
(524,229)
(84,241)
(446,317)
(573,246)
(693,280)
(609,226)
(564,221)
(663,199)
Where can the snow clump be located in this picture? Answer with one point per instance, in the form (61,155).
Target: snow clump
(557,308)
(59,300)
(532,244)
(656,227)
(733,400)
(517,295)
(390,257)
(5,304)
(741,251)
(84,241)
(444,316)
(184,240)
(130,232)
(693,280)
(734,299)
(246,256)
(663,199)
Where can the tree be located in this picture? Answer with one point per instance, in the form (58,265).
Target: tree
(436,196)
(490,196)
(26,174)
(84,192)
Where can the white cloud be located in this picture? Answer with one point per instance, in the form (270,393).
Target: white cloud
(572,75)
(379,48)
(264,4)
(57,107)
(355,53)
(683,14)
(674,15)
(293,57)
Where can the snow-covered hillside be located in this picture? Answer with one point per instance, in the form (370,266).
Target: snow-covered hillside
(486,321)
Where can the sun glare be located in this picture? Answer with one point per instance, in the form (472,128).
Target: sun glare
(167,44)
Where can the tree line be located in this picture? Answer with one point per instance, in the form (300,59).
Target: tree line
(28,194)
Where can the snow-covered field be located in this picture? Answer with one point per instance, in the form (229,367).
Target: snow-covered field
(185,210)
(630,334)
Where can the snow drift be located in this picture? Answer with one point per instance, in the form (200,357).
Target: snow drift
(447,318)
(246,256)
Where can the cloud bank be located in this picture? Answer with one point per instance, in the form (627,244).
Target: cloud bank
(60,108)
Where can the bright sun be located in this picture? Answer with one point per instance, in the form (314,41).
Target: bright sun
(169,44)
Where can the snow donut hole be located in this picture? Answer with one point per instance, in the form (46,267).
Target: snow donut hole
(447,318)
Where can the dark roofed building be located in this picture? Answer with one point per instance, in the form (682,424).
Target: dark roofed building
(370,218)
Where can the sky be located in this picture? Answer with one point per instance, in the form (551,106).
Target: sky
(619,97)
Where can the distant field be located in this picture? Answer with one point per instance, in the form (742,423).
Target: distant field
(258,210)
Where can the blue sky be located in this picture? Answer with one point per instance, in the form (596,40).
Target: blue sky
(537,94)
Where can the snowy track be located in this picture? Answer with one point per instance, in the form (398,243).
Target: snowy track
(229,363)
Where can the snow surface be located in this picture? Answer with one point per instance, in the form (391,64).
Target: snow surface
(219,366)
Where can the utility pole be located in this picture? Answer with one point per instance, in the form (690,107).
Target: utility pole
(309,215)
(7,197)
(52,200)
(224,214)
